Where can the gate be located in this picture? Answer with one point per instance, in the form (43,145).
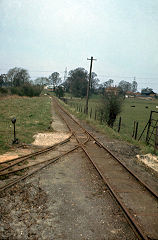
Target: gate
(152,130)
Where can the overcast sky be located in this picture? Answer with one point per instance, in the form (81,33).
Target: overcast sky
(44,36)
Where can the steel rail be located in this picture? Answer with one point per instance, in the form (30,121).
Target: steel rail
(71,130)
(24,167)
(133,223)
(136,228)
(35,171)
(37,152)
(152,191)
(130,218)
(23,158)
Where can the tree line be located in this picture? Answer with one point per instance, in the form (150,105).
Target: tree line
(18,79)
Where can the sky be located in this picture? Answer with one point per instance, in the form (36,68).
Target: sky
(45,36)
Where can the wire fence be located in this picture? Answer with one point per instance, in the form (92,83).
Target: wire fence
(130,128)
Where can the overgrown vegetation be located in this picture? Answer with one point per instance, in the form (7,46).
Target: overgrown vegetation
(109,108)
(59,92)
(27,90)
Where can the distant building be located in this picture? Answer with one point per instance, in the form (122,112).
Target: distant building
(50,88)
(130,94)
(148,93)
(113,90)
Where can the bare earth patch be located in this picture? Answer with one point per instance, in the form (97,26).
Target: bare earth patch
(150,161)
(48,139)
(11,155)
(41,139)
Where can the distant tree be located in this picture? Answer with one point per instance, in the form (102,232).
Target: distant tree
(94,82)
(110,107)
(3,80)
(59,91)
(147,91)
(108,83)
(66,85)
(41,81)
(77,82)
(55,79)
(100,89)
(124,87)
(18,76)
(134,86)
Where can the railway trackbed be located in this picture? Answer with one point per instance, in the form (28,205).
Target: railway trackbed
(137,200)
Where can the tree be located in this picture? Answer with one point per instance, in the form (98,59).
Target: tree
(125,86)
(77,82)
(3,80)
(110,108)
(108,83)
(94,82)
(59,92)
(147,91)
(18,76)
(55,79)
(41,81)
(134,86)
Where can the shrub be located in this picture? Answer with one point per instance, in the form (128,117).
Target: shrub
(27,90)
(59,92)
(110,107)
(3,90)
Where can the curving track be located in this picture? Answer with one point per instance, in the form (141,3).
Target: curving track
(138,201)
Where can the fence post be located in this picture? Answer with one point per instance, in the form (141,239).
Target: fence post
(136,131)
(156,138)
(90,113)
(147,135)
(95,117)
(119,126)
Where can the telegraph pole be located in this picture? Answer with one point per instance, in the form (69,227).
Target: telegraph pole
(89,82)
(65,74)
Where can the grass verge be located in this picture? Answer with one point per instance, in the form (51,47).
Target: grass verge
(109,132)
(32,115)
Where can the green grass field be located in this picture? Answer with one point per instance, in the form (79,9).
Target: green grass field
(140,113)
(33,115)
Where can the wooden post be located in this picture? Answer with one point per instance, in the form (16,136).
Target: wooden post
(119,126)
(147,135)
(89,83)
(136,131)
(95,117)
(90,113)
(156,138)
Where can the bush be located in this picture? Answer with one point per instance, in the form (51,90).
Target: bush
(27,90)
(110,108)
(3,90)
(59,92)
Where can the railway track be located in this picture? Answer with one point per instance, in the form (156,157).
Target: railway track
(137,200)
(29,164)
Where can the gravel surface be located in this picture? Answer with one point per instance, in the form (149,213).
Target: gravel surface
(68,200)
